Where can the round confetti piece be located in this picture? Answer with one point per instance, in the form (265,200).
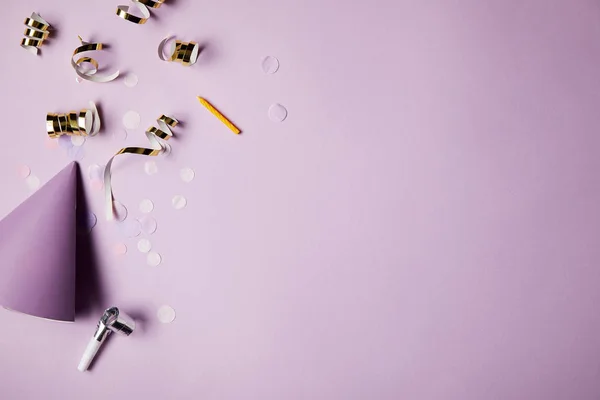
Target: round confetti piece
(76,153)
(120,211)
(144,245)
(87,223)
(65,142)
(270,65)
(78,79)
(131,80)
(51,143)
(153,259)
(146,206)
(150,167)
(33,182)
(179,202)
(277,113)
(24,171)
(97,184)
(148,224)
(120,134)
(166,314)
(77,140)
(130,228)
(187,174)
(120,249)
(131,120)
(95,172)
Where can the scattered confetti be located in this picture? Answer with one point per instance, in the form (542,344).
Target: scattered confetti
(77,140)
(187,174)
(179,202)
(146,206)
(148,224)
(120,249)
(78,79)
(120,134)
(24,171)
(153,259)
(120,211)
(144,245)
(131,120)
(130,228)
(270,65)
(150,167)
(33,182)
(166,314)
(131,80)
(65,142)
(277,113)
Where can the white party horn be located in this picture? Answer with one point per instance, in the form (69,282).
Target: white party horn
(113,320)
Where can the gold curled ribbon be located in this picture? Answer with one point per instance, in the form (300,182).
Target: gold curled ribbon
(83,123)
(185,53)
(143,6)
(36,32)
(157,138)
(89,74)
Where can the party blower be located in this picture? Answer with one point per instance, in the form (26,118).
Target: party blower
(113,320)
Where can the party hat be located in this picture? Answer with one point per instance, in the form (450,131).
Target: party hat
(37,251)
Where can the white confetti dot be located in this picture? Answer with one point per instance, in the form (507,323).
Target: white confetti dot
(187,174)
(120,211)
(130,228)
(131,120)
(270,65)
(148,225)
(119,134)
(65,142)
(131,80)
(146,206)
(24,171)
(153,259)
(144,245)
(179,202)
(166,314)
(95,172)
(33,182)
(78,140)
(78,79)
(150,167)
(120,249)
(277,113)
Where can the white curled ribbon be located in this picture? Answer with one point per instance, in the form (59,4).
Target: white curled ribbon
(89,74)
(157,138)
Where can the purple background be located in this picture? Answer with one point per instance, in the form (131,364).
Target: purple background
(424,225)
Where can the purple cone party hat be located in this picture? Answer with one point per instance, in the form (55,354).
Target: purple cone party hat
(37,251)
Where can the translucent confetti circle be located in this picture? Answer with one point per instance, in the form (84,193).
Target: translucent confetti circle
(78,79)
(95,172)
(146,206)
(144,245)
(131,80)
(119,134)
(179,202)
(77,140)
(76,153)
(166,314)
(87,222)
(150,167)
(153,259)
(130,228)
(120,211)
(131,120)
(65,142)
(187,174)
(23,171)
(148,225)
(270,65)
(120,249)
(33,182)
(277,113)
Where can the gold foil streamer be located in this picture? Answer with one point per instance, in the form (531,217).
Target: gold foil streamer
(157,138)
(142,5)
(220,116)
(89,74)
(82,123)
(36,32)
(185,53)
